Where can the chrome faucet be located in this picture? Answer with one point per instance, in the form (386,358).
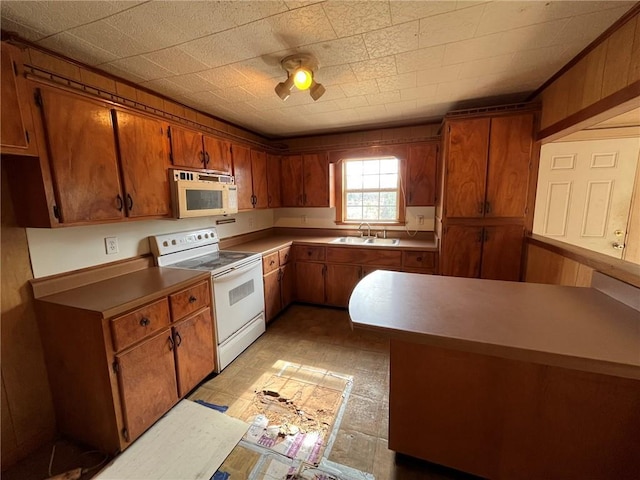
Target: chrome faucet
(368,228)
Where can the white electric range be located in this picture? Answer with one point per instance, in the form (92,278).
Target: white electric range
(238,293)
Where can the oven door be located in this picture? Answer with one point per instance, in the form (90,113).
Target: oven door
(239,298)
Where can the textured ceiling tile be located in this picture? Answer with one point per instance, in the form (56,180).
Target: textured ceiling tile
(502,16)
(351,102)
(76,48)
(382,98)
(430,110)
(450,27)
(437,75)
(261,88)
(109,38)
(403,107)
(166,87)
(192,81)
(540,35)
(176,60)
(426,91)
(142,67)
(586,28)
(472,49)
(301,27)
(379,67)
(360,88)
(52,17)
(351,17)
(397,82)
(392,40)
(223,77)
(265,66)
(420,59)
(335,75)
(236,94)
(24,31)
(413,10)
(570,9)
(486,66)
(340,51)
(121,72)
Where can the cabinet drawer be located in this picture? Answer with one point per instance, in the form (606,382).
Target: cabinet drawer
(270,262)
(284,254)
(364,256)
(419,259)
(309,253)
(189,300)
(134,326)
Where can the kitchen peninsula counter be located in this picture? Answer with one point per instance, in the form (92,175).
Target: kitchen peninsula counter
(507,379)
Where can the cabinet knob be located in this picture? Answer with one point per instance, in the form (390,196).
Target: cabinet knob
(192,299)
(144,321)
(272,262)
(178,339)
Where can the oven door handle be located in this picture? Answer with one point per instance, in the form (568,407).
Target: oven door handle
(235,271)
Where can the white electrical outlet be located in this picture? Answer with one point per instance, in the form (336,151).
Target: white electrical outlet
(111,245)
(304,219)
(420,219)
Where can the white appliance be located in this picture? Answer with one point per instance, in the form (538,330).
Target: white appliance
(238,293)
(198,194)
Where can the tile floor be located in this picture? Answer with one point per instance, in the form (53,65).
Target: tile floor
(317,337)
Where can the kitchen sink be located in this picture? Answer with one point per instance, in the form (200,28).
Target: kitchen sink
(366,241)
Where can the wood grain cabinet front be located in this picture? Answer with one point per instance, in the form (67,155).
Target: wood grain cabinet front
(278,282)
(250,171)
(307,180)
(112,378)
(192,149)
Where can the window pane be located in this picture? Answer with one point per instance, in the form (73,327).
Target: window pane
(354,213)
(388,198)
(389,165)
(354,167)
(370,213)
(371,181)
(354,182)
(354,199)
(389,181)
(388,213)
(371,198)
(371,167)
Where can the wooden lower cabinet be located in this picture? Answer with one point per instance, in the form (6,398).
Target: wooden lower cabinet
(272,294)
(112,377)
(341,280)
(461,251)
(278,282)
(310,282)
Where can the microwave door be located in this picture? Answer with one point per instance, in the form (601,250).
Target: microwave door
(198,200)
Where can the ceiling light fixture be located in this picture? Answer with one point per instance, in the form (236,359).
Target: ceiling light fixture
(300,69)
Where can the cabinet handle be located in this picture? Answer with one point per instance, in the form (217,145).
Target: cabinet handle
(120,203)
(480,236)
(208,159)
(171,343)
(201,157)
(487,207)
(192,299)
(178,339)
(144,321)
(130,202)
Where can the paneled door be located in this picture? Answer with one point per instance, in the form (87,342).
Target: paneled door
(259,179)
(461,251)
(195,358)
(584,192)
(316,180)
(502,252)
(242,173)
(421,173)
(292,181)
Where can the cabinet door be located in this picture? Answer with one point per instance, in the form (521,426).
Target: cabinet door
(195,358)
(273,181)
(502,252)
(341,280)
(421,175)
(144,162)
(242,173)
(272,294)
(186,148)
(82,154)
(510,147)
(287,277)
(310,282)
(292,188)
(217,154)
(16,124)
(316,180)
(461,251)
(466,167)
(147,381)
(259,179)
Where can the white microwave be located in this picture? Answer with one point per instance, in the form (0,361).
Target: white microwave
(196,194)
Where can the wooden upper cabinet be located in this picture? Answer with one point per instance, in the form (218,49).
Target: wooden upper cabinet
(461,251)
(421,174)
(273,181)
(316,180)
(17,135)
(510,145)
(82,154)
(217,154)
(292,181)
(144,162)
(259,179)
(466,167)
(242,173)
(187,149)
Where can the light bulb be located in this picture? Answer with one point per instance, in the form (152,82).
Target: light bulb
(302,79)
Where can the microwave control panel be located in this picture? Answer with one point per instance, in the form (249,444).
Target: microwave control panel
(185,175)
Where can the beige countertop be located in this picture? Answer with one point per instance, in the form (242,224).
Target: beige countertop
(273,243)
(571,327)
(126,292)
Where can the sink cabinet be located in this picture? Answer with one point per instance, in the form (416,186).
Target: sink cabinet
(113,375)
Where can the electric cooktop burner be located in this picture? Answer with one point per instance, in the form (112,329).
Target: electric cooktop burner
(213,261)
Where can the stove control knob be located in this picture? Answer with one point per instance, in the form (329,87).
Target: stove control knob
(173,242)
(199,237)
(206,235)
(165,244)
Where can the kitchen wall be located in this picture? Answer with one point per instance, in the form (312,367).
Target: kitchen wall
(58,250)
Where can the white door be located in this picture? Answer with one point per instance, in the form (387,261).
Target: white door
(584,192)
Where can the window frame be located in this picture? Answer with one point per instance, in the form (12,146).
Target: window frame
(338,157)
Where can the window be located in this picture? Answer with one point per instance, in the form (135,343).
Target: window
(371,188)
